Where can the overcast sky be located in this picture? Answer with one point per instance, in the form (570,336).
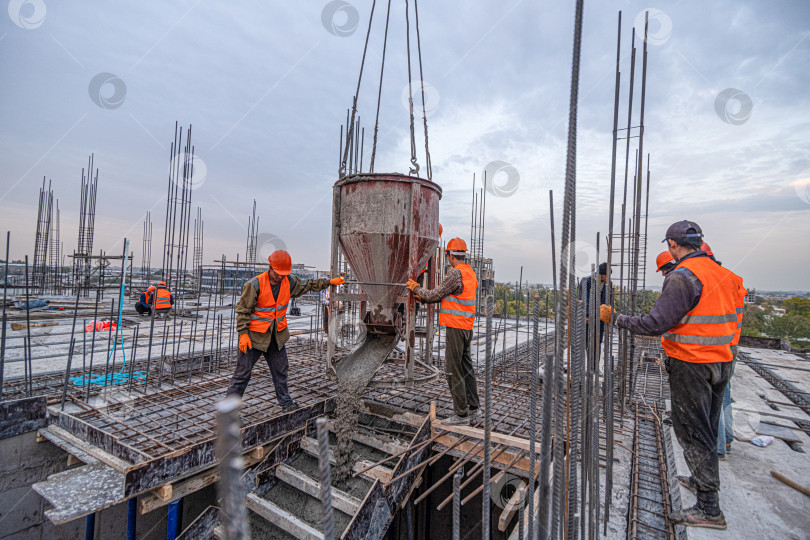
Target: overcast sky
(266,86)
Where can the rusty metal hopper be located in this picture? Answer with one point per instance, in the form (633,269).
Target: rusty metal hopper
(378,216)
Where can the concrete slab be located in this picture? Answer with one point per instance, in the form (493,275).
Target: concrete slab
(757,505)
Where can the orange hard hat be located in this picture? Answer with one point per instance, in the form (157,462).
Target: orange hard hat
(456,244)
(441,230)
(151,288)
(161,284)
(280,262)
(705,247)
(664,258)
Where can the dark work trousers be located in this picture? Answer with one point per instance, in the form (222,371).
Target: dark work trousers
(142,308)
(697,400)
(459,371)
(276,361)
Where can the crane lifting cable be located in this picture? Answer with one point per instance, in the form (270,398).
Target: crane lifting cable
(349,150)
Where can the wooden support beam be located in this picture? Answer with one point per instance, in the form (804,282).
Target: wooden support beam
(153,501)
(515,531)
(150,501)
(164,492)
(508,510)
(281,518)
(465,447)
(495,437)
(72,460)
(257,453)
(56,435)
(300,481)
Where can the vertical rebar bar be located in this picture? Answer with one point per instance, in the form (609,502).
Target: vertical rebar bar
(230,489)
(67,371)
(521,504)
(535,365)
(3,329)
(457,503)
(327,517)
(92,348)
(608,369)
(486,502)
(29,375)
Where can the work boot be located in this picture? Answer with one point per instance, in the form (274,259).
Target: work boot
(474,416)
(695,517)
(456,420)
(686,481)
(290,407)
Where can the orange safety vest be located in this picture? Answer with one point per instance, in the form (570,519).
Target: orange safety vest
(740,310)
(268,308)
(706,332)
(147,295)
(458,311)
(163,299)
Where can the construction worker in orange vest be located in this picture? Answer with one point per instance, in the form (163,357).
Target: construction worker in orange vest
(162,299)
(261,322)
(696,317)
(143,305)
(457,294)
(665,263)
(725,430)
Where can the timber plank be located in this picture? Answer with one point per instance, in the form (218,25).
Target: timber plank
(281,518)
(295,478)
(383,474)
(72,444)
(495,437)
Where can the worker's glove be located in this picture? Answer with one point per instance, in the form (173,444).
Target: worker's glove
(412,285)
(244,343)
(605,313)
(337,281)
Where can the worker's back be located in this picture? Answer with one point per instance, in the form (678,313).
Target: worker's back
(163,299)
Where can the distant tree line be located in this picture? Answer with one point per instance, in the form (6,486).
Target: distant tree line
(786,319)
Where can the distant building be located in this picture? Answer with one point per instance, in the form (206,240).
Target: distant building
(751,297)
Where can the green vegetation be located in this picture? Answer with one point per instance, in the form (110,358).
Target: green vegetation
(505,294)
(785,319)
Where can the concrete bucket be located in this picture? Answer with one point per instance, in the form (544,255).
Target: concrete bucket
(388,228)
